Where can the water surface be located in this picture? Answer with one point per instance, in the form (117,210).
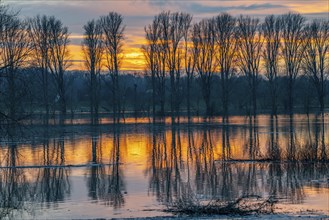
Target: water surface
(137,168)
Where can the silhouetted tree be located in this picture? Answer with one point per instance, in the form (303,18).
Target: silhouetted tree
(14,51)
(203,38)
(92,47)
(315,60)
(59,59)
(173,27)
(250,45)
(113,36)
(225,34)
(189,62)
(39,34)
(271,30)
(152,34)
(164,19)
(292,50)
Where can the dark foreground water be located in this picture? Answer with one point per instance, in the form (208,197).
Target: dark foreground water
(136,169)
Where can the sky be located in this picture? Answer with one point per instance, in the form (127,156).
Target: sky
(139,13)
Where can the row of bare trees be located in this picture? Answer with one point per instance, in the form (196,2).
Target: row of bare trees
(13,51)
(176,51)
(103,40)
(42,44)
(228,47)
(50,54)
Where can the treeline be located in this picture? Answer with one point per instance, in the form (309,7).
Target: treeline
(280,47)
(221,65)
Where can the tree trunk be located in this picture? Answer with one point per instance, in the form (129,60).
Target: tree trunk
(188,99)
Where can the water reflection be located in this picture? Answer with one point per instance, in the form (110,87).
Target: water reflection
(165,163)
(273,140)
(96,173)
(106,182)
(52,182)
(14,186)
(281,157)
(20,187)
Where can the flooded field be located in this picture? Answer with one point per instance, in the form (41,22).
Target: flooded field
(138,168)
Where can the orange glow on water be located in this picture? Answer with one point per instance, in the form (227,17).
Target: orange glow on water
(161,161)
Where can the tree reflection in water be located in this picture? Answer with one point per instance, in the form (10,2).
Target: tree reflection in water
(273,140)
(15,190)
(291,147)
(52,182)
(166,163)
(106,182)
(116,184)
(209,170)
(276,157)
(94,179)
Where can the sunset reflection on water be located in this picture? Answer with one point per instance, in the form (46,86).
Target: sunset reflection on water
(134,169)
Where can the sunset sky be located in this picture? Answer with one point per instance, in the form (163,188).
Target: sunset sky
(138,13)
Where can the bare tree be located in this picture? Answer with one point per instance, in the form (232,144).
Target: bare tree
(189,62)
(113,36)
(271,29)
(173,30)
(5,19)
(204,45)
(292,50)
(59,59)
(162,57)
(152,34)
(39,34)
(225,35)
(250,45)
(162,23)
(92,47)
(14,52)
(315,60)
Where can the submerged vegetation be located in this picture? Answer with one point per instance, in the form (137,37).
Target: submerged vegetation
(245,205)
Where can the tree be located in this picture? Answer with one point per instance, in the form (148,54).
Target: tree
(189,62)
(152,34)
(292,50)
(59,59)
(15,48)
(39,34)
(113,36)
(203,38)
(5,19)
(173,29)
(271,30)
(225,35)
(315,60)
(92,47)
(250,45)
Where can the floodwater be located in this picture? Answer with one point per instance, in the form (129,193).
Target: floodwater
(138,168)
